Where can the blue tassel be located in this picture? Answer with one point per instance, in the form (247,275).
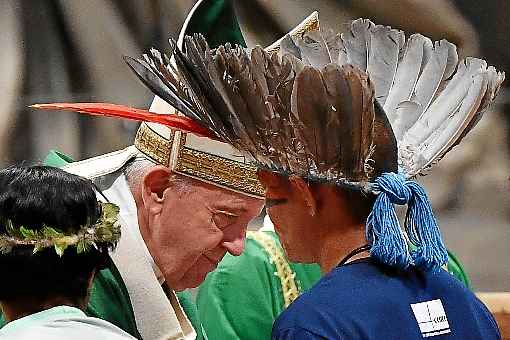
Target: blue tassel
(383,232)
(423,231)
(387,239)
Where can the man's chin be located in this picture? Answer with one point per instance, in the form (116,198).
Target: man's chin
(190,281)
(287,250)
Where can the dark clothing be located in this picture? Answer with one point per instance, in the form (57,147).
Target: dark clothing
(367,300)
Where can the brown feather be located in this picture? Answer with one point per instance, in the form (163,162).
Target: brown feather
(311,106)
(360,123)
(339,106)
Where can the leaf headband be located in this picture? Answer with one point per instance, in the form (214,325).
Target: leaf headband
(105,232)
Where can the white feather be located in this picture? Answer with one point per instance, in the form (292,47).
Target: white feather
(356,43)
(447,101)
(407,74)
(288,46)
(495,79)
(404,118)
(334,43)
(385,49)
(452,61)
(454,125)
(343,57)
(433,74)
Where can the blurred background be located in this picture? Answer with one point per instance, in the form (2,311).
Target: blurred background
(70,50)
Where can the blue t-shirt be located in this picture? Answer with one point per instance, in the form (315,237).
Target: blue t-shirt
(366,300)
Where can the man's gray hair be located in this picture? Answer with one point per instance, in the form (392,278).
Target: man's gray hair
(136,169)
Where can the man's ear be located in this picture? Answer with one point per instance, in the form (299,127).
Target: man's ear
(304,191)
(154,184)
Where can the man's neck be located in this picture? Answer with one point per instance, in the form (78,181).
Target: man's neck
(337,243)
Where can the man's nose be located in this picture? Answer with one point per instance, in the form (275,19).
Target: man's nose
(235,246)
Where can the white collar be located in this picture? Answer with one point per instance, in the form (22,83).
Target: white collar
(267,225)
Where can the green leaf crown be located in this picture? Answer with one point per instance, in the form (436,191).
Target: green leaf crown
(105,232)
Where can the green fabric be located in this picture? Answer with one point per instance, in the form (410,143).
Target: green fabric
(217,21)
(243,296)
(455,268)
(186,300)
(109,300)
(57,159)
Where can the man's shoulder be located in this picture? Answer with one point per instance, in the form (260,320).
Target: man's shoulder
(82,328)
(342,298)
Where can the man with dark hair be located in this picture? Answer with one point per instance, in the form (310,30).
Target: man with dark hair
(54,237)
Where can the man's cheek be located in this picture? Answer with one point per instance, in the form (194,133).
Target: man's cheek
(276,216)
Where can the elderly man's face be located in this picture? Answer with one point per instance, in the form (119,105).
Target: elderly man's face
(194,226)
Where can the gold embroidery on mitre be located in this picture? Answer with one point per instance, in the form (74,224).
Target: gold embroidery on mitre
(287,277)
(210,168)
(153,144)
(218,170)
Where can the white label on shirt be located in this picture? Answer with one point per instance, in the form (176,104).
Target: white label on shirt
(431,318)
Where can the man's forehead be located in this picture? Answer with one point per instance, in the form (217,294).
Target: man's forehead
(231,204)
(272,179)
(221,195)
(228,198)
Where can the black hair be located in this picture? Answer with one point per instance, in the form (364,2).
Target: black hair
(34,196)
(359,204)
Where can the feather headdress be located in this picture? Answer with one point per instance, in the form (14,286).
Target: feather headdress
(308,110)
(345,109)
(280,111)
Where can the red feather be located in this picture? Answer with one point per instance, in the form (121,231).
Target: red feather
(173,121)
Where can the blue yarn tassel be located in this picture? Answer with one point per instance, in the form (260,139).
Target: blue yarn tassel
(387,239)
(383,232)
(423,231)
